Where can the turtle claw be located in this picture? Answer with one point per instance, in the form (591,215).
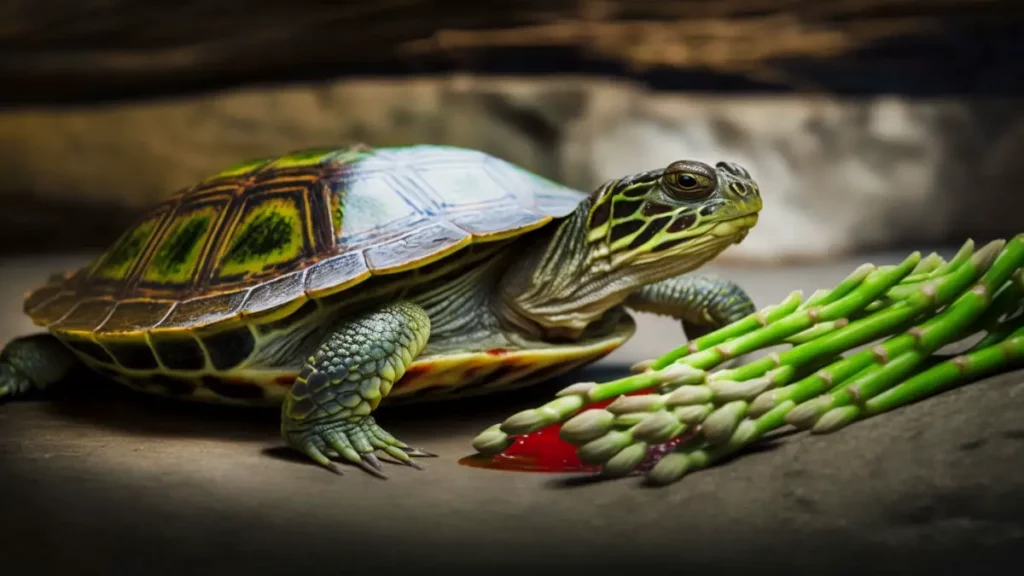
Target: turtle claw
(354,442)
(318,452)
(371,469)
(372,460)
(419,452)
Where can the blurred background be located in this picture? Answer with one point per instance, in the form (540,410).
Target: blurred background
(874,127)
(870,124)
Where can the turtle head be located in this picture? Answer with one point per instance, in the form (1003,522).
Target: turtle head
(631,232)
(671,220)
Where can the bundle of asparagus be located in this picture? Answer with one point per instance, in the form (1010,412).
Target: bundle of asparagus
(899,316)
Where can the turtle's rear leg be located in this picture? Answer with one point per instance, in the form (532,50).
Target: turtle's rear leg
(33,363)
(327,411)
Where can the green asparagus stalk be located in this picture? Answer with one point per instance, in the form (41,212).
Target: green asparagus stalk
(902,354)
(763,318)
(943,376)
(858,289)
(873,285)
(939,329)
(939,378)
(1008,301)
(732,408)
(931,296)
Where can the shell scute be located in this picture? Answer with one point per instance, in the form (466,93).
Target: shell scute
(336,273)
(178,253)
(86,315)
(133,315)
(491,225)
(269,233)
(204,310)
(117,263)
(288,289)
(425,243)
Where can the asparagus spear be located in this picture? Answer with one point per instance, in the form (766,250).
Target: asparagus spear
(939,330)
(735,407)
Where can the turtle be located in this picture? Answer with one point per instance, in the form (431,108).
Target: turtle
(327,282)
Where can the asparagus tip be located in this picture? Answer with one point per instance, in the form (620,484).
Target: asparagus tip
(669,469)
(641,367)
(692,414)
(762,404)
(680,374)
(625,461)
(586,426)
(728,390)
(602,449)
(745,433)
(986,255)
(492,441)
(835,419)
(577,389)
(806,414)
(685,395)
(719,426)
(642,403)
(658,428)
(536,418)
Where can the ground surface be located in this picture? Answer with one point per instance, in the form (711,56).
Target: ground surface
(103,481)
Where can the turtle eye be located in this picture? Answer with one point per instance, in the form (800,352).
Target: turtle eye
(689,180)
(686,182)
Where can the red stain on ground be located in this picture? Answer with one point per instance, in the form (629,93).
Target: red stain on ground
(497,351)
(544,451)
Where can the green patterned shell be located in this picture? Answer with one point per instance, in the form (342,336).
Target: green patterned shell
(274,233)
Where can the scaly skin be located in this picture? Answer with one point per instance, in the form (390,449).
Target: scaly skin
(327,411)
(702,303)
(33,363)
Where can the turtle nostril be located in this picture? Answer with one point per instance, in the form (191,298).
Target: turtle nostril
(734,169)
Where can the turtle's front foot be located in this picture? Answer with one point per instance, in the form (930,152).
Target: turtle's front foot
(32,363)
(703,303)
(355,440)
(327,411)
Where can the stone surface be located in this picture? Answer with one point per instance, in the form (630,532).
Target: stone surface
(838,175)
(97,480)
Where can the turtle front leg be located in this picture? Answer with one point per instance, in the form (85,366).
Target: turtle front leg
(703,303)
(33,363)
(327,411)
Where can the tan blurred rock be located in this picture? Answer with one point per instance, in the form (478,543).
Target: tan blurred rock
(838,175)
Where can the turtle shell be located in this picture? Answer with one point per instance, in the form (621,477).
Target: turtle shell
(274,233)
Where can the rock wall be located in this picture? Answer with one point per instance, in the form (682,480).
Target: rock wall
(838,175)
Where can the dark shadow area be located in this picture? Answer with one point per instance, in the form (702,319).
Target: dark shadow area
(118,485)
(111,51)
(93,401)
